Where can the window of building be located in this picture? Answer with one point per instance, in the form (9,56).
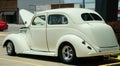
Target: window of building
(57,19)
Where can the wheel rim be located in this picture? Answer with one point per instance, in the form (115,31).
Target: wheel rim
(9,48)
(67,53)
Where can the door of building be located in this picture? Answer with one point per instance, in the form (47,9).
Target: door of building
(9,17)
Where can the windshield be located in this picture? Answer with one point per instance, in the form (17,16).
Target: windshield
(90,17)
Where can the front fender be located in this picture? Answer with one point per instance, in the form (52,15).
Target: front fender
(81,49)
(19,42)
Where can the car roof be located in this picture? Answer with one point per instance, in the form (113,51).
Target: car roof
(75,13)
(68,10)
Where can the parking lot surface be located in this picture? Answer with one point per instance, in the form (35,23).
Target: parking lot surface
(35,60)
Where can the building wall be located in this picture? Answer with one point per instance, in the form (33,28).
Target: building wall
(55,6)
(90,5)
(8,11)
(39,5)
(34,5)
(8,4)
(44,2)
(31,4)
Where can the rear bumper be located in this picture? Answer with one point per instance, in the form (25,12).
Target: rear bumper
(105,53)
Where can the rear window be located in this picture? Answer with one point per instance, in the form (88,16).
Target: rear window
(90,17)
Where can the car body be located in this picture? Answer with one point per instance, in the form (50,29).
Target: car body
(3,25)
(67,33)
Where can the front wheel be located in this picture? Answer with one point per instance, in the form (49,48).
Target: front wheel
(10,49)
(67,53)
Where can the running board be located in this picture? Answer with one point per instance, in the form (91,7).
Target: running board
(33,52)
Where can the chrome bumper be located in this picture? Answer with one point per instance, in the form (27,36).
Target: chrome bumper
(105,53)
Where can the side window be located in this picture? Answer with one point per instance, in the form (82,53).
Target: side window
(39,20)
(90,17)
(57,19)
(95,16)
(86,17)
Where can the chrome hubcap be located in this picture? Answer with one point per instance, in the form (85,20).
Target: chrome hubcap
(9,47)
(67,53)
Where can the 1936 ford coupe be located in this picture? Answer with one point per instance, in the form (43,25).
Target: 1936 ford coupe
(66,33)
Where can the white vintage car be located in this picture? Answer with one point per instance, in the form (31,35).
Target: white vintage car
(66,33)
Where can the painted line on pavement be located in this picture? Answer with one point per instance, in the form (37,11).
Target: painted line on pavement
(18,61)
(3,35)
(111,64)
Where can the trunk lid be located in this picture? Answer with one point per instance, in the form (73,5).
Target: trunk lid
(100,36)
(103,35)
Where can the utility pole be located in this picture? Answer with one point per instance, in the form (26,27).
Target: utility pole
(59,4)
(83,3)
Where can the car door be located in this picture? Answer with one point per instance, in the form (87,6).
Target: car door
(38,33)
(56,28)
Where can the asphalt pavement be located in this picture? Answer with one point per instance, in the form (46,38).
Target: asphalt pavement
(12,28)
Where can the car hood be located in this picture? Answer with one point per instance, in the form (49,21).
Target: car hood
(26,17)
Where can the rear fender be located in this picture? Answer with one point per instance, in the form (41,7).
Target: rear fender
(19,42)
(81,49)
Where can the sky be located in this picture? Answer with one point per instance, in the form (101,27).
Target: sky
(77,1)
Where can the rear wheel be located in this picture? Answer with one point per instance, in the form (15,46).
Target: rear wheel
(10,49)
(67,53)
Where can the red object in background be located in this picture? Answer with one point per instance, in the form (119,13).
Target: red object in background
(116,27)
(118,11)
(3,25)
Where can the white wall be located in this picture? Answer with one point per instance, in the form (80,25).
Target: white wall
(42,7)
(77,1)
(25,4)
(31,4)
(90,5)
